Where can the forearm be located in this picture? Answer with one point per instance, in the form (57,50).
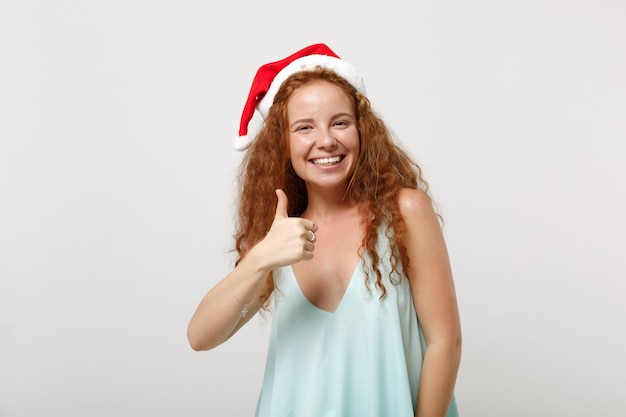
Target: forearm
(220,313)
(439,371)
(225,308)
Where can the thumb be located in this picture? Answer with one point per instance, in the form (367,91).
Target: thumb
(281,206)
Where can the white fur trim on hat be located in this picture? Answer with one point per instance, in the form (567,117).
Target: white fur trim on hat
(307,63)
(242,143)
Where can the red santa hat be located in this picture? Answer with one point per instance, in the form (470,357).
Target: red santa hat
(270,77)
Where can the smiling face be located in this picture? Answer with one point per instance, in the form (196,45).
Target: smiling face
(323,135)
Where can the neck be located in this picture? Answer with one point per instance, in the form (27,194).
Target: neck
(327,204)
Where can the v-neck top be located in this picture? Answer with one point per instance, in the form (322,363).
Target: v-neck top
(363,359)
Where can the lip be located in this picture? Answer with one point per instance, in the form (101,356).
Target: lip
(341,159)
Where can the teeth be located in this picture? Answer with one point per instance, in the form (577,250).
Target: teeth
(327,161)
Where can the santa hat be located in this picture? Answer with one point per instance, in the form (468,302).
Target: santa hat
(270,77)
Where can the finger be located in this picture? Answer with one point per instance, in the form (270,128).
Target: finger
(313,227)
(312,238)
(281,205)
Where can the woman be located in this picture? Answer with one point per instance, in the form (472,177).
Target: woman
(350,252)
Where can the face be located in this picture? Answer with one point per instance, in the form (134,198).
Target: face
(323,136)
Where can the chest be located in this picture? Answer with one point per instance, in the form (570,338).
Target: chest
(324,279)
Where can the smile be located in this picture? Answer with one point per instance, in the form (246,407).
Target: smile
(327,161)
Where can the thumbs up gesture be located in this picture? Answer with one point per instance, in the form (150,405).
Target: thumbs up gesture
(290,239)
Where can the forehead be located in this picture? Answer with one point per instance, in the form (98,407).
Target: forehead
(319,94)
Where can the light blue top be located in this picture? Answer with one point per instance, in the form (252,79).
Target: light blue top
(363,359)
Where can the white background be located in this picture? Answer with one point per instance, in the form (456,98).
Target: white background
(117,178)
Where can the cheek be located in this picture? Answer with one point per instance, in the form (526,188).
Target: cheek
(295,153)
(355,143)
(298,148)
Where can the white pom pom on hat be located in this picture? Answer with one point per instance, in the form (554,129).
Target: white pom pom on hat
(270,77)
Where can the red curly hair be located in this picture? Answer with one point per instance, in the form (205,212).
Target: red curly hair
(382,170)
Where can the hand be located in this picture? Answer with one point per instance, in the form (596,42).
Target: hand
(290,239)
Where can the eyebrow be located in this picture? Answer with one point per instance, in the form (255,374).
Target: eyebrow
(336,116)
(291,126)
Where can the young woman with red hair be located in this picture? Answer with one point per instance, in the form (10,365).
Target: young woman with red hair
(337,232)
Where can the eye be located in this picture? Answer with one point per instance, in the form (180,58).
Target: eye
(301,128)
(341,123)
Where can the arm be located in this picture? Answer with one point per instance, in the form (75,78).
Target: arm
(219,314)
(434,297)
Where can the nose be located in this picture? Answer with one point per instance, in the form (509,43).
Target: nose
(326,139)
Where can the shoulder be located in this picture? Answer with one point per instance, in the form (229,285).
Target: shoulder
(415,204)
